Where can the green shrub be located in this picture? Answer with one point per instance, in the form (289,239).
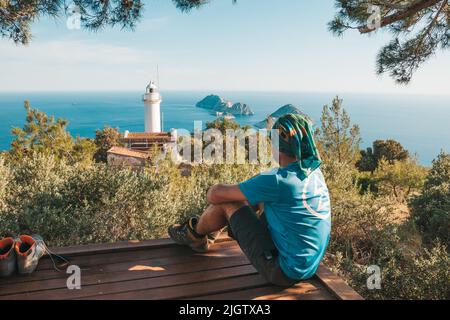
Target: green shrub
(399,178)
(366,232)
(367,183)
(421,275)
(104,140)
(5,176)
(431,209)
(86,204)
(389,150)
(46,135)
(361,224)
(7,220)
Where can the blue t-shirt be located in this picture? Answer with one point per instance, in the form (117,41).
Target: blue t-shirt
(298,214)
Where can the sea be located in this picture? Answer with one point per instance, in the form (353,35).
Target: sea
(421,123)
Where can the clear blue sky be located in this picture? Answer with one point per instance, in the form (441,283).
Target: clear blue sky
(256,45)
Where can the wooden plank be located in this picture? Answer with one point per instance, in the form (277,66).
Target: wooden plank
(131,271)
(190,290)
(312,295)
(306,290)
(107,258)
(130,245)
(115,247)
(336,285)
(147,284)
(120,256)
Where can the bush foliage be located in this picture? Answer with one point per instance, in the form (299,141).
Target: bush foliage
(431,209)
(76,204)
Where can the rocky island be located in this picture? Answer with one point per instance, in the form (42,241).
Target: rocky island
(270,120)
(217,104)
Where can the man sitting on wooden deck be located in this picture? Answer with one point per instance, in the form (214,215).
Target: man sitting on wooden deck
(287,241)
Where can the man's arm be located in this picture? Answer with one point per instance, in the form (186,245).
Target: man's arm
(221,193)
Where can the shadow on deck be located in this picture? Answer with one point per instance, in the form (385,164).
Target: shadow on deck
(158,269)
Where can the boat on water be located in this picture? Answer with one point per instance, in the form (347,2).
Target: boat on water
(229,116)
(223,115)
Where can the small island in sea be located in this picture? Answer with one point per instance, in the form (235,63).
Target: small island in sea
(220,106)
(270,120)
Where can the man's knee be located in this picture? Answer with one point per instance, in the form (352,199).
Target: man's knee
(230,208)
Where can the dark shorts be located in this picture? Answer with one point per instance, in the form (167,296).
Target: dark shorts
(254,238)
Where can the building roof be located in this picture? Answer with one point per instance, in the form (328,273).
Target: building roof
(128,152)
(151,137)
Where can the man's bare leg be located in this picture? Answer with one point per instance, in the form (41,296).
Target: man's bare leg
(216,217)
(198,233)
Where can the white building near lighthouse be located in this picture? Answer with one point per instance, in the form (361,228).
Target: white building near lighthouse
(152,102)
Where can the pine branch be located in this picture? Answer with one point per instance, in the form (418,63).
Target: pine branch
(401,15)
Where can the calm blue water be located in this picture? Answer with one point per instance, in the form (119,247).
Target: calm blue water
(420,123)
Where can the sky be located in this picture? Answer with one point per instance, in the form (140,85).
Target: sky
(255,45)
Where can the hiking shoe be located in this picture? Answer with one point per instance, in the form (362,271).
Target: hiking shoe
(7,257)
(29,249)
(184,234)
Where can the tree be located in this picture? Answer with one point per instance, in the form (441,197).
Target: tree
(389,150)
(420,28)
(338,138)
(399,178)
(44,134)
(83,151)
(187,5)
(338,143)
(223,124)
(105,139)
(431,209)
(16,17)
(367,162)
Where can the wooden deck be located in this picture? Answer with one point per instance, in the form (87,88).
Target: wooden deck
(158,269)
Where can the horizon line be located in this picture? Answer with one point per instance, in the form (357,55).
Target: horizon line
(213,91)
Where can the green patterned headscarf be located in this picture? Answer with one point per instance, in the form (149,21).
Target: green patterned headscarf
(296,139)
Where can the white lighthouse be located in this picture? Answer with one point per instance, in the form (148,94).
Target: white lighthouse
(152,102)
